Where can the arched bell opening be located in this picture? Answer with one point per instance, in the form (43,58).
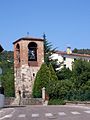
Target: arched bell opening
(32,51)
(18,52)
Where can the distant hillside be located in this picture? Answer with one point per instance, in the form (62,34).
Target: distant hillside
(6,56)
(81,51)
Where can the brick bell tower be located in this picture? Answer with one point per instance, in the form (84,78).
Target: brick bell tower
(28,58)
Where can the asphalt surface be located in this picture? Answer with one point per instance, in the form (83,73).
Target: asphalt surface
(66,112)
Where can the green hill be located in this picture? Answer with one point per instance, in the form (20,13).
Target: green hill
(81,51)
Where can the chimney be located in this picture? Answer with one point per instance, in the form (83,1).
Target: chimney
(69,51)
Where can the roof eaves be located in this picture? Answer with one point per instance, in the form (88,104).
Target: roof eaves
(28,38)
(72,54)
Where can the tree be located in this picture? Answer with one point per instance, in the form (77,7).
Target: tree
(46,77)
(7,77)
(41,80)
(75,50)
(80,78)
(8,83)
(52,82)
(48,50)
(64,73)
(80,66)
(52,73)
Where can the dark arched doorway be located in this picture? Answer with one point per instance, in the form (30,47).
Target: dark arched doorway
(18,52)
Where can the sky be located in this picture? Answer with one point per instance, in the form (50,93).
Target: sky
(65,22)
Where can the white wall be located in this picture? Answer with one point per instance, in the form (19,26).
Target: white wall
(68,61)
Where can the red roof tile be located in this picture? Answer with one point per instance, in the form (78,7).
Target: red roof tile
(72,54)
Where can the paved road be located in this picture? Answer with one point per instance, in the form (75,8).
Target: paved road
(67,112)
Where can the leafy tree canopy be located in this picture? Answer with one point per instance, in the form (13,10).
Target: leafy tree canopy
(46,77)
(7,77)
(41,80)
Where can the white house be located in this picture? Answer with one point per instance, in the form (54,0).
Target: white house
(67,58)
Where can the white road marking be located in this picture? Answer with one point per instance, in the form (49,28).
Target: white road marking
(1,111)
(61,113)
(10,109)
(9,115)
(75,113)
(35,115)
(13,111)
(78,106)
(87,111)
(48,114)
(22,115)
(6,116)
(7,109)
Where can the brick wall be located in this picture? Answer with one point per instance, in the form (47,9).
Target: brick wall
(24,70)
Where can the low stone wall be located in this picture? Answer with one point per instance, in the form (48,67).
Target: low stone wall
(31,101)
(9,100)
(24,101)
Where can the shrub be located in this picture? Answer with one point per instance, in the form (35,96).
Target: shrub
(56,102)
(46,77)
(41,80)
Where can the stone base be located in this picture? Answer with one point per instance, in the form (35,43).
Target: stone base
(23,101)
(45,103)
(24,80)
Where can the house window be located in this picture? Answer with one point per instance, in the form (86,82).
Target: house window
(32,51)
(64,58)
(64,65)
(74,59)
(33,74)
